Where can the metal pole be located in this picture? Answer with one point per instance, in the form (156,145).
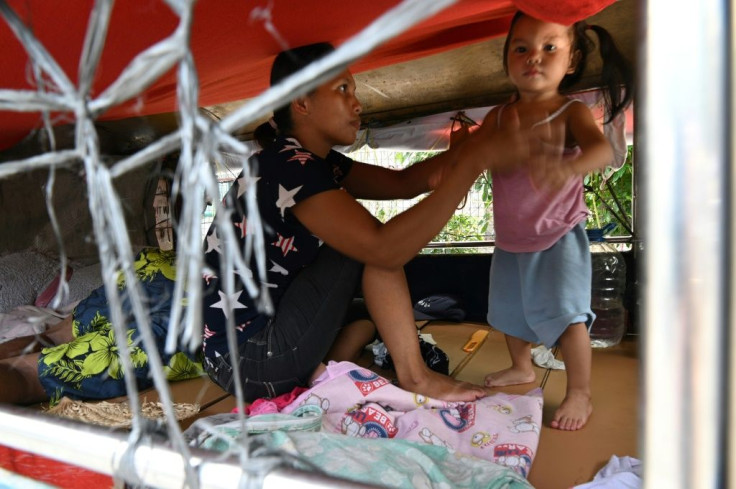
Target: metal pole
(685,100)
(154,464)
(731,312)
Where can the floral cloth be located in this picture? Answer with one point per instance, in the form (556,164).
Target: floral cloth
(501,428)
(376,433)
(89,366)
(395,463)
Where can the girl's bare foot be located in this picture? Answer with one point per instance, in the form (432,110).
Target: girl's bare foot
(574,411)
(510,376)
(437,386)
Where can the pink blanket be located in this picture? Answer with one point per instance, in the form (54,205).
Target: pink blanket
(501,428)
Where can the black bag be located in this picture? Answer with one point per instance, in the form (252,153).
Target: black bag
(439,306)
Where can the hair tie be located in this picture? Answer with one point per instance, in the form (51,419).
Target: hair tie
(272,123)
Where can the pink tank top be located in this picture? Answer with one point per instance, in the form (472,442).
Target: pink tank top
(528,218)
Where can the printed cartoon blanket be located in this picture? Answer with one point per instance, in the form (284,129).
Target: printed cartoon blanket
(500,428)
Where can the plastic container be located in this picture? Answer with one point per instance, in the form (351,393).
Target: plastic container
(607,291)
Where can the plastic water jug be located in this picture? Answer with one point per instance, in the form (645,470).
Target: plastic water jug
(607,291)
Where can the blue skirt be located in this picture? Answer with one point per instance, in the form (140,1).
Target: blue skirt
(535,296)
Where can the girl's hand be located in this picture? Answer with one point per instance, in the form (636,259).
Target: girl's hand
(547,167)
(550,175)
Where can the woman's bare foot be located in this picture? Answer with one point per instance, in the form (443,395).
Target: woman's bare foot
(437,386)
(574,411)
(510,376)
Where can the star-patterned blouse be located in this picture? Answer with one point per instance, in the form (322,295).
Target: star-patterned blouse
(286,173)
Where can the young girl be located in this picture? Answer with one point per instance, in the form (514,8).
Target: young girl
(321,243)
(541,272)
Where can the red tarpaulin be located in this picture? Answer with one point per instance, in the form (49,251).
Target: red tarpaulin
(231,44)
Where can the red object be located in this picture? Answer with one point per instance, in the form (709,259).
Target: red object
(45,297)
(274,405)
(565,12)
(231,45)
(58,474)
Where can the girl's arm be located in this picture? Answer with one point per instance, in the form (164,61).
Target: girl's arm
(596,151)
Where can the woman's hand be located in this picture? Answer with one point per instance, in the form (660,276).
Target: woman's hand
(507,147)
(546,166)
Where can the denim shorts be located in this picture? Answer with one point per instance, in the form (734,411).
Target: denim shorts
(285,353)
(535,296)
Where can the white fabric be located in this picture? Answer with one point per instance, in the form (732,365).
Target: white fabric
(618,473)
(27,320)
(543,357)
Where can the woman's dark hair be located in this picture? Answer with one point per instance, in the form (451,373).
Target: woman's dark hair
(285,64)
(617,75)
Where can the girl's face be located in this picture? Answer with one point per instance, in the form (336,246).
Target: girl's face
(335,111)
(539,55)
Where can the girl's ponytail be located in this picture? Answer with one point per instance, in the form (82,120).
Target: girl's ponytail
(617,76)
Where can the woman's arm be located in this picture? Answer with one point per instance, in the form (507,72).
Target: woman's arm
(339,220)
(377,183)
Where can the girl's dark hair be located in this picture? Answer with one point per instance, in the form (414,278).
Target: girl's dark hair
(617,75)
(285,64)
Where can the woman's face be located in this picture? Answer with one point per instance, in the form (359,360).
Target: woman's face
(335,111)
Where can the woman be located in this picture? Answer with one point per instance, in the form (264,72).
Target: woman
(321,243)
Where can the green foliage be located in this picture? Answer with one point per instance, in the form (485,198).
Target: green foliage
(611,202)
(460,227)
(408,158)
(384,214)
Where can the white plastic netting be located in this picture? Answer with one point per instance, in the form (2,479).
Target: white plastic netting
(200,141)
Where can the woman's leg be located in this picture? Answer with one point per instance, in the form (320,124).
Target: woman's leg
(57,334)
(387,297)
(577,406)
(19,364)
(19,380)
(351,341)
(309,316)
